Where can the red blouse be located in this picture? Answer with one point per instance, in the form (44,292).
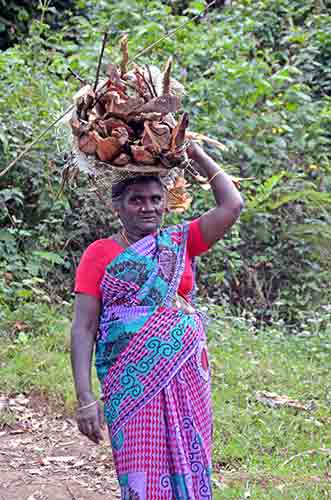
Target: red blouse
(100,253)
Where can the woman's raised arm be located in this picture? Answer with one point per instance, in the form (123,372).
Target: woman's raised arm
(229,202)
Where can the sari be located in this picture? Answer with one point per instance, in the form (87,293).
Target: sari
(152,364)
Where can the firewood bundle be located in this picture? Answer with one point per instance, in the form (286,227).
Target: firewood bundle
(131,124)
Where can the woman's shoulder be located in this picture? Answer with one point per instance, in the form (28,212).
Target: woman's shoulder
(192,234)
(184,226)
(102,246)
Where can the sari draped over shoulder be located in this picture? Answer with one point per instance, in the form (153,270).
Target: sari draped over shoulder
(152,363)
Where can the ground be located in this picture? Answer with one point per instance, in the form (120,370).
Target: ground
(44,457)
(272,420)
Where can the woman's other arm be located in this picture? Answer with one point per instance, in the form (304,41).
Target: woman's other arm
(229,202)
(83,334)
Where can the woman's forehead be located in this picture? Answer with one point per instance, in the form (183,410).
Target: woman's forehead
(145,188)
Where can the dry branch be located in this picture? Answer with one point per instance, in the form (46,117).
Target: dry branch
(104,40)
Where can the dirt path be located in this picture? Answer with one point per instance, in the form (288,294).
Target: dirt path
(45,458)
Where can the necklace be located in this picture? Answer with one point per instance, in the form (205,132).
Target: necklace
(124,237)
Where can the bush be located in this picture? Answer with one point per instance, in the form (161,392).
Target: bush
(258,80)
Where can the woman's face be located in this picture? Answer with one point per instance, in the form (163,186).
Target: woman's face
(142,207)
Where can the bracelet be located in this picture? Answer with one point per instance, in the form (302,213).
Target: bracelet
(213,176)
(87,406)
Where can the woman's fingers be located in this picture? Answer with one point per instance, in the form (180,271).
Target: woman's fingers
(96,432)
(89,423)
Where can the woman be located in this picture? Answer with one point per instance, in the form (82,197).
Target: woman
(134,301)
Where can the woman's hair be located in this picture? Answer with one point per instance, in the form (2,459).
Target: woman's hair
(118,190)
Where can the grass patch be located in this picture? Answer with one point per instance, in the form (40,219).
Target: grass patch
(34,354)
(262,453)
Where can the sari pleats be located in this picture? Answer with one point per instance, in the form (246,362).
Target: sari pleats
(165,450)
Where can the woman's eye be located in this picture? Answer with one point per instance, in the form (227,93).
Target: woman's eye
(157,199)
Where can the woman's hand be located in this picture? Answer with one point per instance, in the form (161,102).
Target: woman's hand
(194,151)
(90,420)
(182,305)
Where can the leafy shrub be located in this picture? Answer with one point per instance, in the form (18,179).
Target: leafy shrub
(17,15)
(258,80)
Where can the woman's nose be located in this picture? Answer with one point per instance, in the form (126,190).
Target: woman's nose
(148,206)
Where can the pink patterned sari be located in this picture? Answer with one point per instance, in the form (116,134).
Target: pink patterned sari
(153,367)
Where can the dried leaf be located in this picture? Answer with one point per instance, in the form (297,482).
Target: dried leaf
(57,460)
(141,117)
(107,149)
(166,77)
(122,160)
(201,137)
(121,134)
(84,92)
(121,108)
(110,100)
(178,134)
(75,126)
(274,400)
(164,105)
(125,54)
(156,137)
(111,123)
(8,277)
(87,143)
(180,206)
(21,399)
(178,199)
(139,81)
(141,155)
(113,74)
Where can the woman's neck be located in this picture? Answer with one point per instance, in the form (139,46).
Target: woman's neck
(132,237)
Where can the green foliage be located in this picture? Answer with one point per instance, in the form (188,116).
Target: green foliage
(258,79)
(16,16)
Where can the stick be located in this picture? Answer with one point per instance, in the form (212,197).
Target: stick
(166,77)
(327,451)
(70,493)
(100,61)
(151,79)
(30,146)
(73,73)
(150,90)
(14,455)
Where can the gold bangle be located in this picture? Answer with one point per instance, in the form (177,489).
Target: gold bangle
(213,176)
